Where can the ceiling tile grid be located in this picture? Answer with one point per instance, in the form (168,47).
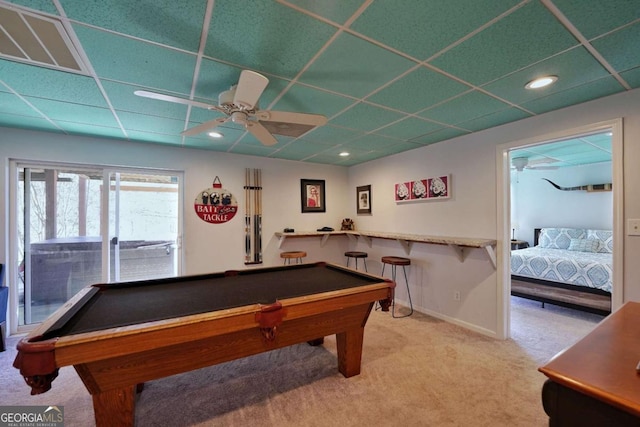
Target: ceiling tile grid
(389,76)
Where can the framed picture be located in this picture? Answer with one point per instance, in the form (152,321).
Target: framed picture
(363,198)
(436,188)
(312,195)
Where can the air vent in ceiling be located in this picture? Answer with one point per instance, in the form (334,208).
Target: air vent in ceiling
(36,39)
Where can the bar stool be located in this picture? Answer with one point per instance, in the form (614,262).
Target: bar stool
(297,255)
(395,261)
(356,255)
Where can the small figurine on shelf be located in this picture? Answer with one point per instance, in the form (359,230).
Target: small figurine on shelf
(347,224)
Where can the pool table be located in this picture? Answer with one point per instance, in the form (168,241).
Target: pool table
(117,336)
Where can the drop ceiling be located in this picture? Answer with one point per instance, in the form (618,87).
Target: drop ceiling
(390,76)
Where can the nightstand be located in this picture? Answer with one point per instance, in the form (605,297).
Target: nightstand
(519,244)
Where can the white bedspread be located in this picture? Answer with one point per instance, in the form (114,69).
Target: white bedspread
(593,270)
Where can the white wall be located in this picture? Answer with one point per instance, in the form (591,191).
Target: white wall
(472,212)
(435,273)
(207,247)
(535,203)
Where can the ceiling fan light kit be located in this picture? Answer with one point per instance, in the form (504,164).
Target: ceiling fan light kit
(240,105)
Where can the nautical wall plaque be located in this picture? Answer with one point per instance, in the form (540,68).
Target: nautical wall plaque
(216,205)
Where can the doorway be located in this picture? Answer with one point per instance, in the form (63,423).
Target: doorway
(78,226)
(504,200)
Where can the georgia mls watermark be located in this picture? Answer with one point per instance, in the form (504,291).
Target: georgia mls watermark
(31,416)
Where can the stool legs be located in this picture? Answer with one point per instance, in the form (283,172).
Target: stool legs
(406,281)
(363,260)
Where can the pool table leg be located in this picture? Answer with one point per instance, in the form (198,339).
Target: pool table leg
(115,407)
(349,345)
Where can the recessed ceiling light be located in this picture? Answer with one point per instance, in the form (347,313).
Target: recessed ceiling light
(541,82)
(344,154)
(214,134)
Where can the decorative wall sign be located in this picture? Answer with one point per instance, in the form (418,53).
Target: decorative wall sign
(590,188)
(216,205)
(424,189)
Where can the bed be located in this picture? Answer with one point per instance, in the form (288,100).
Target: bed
(569,267)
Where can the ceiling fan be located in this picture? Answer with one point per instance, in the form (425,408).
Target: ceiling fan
(521,163)
(240,105)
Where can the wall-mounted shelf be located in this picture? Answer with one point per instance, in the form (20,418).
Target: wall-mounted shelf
(460,245)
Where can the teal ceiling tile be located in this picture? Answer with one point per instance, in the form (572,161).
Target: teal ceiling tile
(29,80)
(305,99)
(153,124)
(600,140)
(526,36)
(422,28)
(42,5)
(122,98)
(132,61)
(213,78)
(138,136)
(201,115)
(622,48)
(573,68)
(265,35)
(632,77)
(207,144)
(576,95)
(166,22)
(494,119)
(354,67)
(433,87)
(334,10)
(463,108)
(252,150)
(297,150)
(365,117)
(74,112)
(400,147)
(371,142)
(27,122)
(331,135)
(439,135)
(11,104)
(409,128)
(90,130)
(595,17)
(249,139)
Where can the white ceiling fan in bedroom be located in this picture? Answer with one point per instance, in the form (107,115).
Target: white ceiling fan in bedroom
(240,105)
(522,163)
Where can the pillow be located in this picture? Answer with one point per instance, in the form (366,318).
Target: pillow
(559,238)
(605,237)
(584,245)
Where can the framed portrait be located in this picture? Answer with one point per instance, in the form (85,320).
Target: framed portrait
(363,199)
(312,195)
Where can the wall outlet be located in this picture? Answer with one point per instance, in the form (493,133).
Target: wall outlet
(633,227)
(456,295)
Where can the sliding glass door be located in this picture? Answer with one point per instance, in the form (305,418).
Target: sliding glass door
(72,233)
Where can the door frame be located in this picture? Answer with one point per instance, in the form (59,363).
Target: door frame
(503,199)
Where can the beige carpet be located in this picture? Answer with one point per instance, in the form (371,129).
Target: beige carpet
(416,371)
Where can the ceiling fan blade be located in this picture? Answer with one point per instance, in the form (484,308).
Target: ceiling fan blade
(287,117)
(211,124)
(250,87)
(261,133)
(161,97)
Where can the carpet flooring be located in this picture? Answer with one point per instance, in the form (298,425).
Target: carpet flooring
(416,371)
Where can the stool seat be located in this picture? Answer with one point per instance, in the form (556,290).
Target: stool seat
(396,260)
(289,255)
(356,254)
